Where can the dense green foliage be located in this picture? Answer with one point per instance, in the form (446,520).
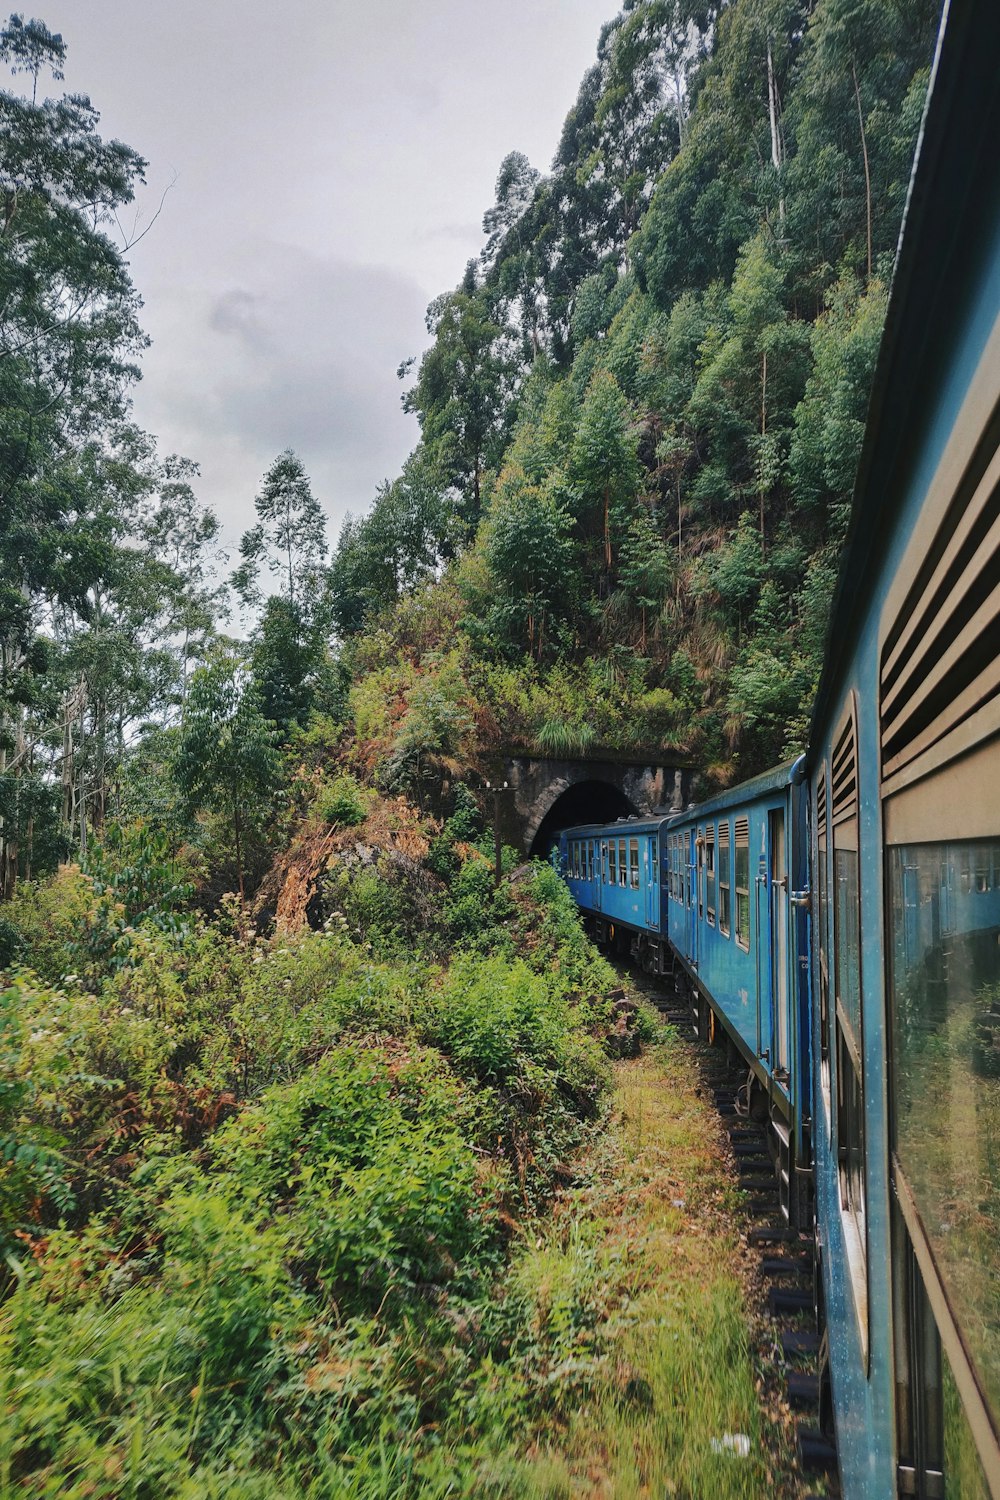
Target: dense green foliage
(257,1194)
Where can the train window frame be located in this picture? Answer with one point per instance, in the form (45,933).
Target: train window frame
(612,875)
(634,879)
(710,882)
(848,1133)
(821,884)
(699,878)
(623,863)
(741,845)
(725,886)
(938,739)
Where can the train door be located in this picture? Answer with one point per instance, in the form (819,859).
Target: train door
(651,860)
(691,882)
(778,898)
(762,939)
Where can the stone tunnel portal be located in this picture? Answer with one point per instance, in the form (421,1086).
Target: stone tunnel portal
(583,802)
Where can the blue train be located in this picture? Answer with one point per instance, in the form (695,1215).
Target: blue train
(837,920)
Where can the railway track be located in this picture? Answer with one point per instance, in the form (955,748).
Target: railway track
(786,1255)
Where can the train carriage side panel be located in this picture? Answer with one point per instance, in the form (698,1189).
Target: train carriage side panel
(904,766)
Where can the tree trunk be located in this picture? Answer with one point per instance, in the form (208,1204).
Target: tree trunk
(81,807)
(763,456)
(864,155)
(607,527)
(774,117)
(237,840)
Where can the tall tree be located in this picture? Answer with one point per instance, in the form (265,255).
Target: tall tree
(289,538)
(69,335)
(227,760)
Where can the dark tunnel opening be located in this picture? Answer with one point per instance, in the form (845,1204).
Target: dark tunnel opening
(584,802)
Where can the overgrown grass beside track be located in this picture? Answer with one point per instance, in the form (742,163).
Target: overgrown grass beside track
(640,1294)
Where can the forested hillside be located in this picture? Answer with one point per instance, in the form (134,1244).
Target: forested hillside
(642,410)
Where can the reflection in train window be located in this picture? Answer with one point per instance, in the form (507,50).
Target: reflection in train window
(945,947)
(710,873)
(724,878)
(742,874)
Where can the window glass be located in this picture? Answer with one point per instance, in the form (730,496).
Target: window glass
(848,956)
(612,862)
(821,885)
(710,875)
(847,964)
(604,862)
(724,878)
(963,1472)
(700,872)
(622,863)
(633,863)
(742,881)
(945,990)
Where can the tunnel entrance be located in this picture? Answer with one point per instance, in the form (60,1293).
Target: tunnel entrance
(583,802)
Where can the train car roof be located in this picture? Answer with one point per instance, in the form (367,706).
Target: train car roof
(764,785)
(638,824)
(943,241)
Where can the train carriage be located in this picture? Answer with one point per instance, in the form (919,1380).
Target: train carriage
(904,776)
(737,922)
(615,874)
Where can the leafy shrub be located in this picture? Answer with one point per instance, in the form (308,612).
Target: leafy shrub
(341,802)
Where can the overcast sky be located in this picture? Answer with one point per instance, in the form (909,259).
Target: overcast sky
(331,164)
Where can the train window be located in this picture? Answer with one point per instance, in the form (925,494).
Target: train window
(850,1119)
(700,872)
(936,1447)
(945,997)
(710,874)
(633,863)
(612,862)
(821,885)
(622,863)
(604,861)
(724,878)
(741,872)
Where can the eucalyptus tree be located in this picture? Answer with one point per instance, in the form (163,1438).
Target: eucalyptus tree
(464,392)
(289,538)
(69,336)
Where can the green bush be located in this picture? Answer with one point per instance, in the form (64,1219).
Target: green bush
(341,802)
